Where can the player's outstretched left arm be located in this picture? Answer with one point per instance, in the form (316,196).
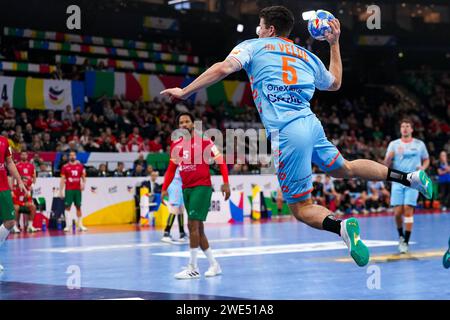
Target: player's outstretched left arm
(168,178)
(215,73)
(15,174)
(224,171)
(335,54)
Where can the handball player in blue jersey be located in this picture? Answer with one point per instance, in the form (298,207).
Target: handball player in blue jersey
(405,154)
(283,77)
(176,209)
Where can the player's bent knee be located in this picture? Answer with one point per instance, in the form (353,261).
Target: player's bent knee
(193,226)
(297,208)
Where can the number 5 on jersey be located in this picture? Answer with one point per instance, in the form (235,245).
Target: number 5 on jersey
(289,72)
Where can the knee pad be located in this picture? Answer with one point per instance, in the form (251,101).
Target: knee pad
(408,219)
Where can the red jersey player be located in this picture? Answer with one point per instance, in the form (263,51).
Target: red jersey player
(192,155)
(73,179)
(23,200)
(7,213)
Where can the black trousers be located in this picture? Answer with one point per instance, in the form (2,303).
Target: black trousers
(444,197)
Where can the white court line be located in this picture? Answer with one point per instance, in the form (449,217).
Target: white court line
(123,246)
(276,249)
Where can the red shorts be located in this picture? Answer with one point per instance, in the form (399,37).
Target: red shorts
(20,199)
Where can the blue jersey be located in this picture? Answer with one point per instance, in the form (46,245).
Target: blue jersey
(444,178)
(175,190)
(408,156)
(177,178)
(283,77)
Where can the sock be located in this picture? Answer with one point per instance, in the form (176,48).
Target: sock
(400,232)
(407,235)
(332,225)
(398,176)
(181,223)
(209,255)
(193,258)
(3,234)
(68,219)
(30,223)
(79,221)
(170,221)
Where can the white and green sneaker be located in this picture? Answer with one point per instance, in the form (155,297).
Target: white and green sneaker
(446,258)
(421,182)
(350,234)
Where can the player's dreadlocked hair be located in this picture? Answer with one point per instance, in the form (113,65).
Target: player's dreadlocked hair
(177,121)
(280,17)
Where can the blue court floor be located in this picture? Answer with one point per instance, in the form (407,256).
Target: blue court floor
(274,260)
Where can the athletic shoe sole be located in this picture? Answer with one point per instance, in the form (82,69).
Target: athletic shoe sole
(426,185)
(358,250)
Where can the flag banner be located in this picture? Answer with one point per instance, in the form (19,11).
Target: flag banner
(75,38)
(26,67)
(110,51)
(21,55)
(135,86)
(128,64)
(41,94)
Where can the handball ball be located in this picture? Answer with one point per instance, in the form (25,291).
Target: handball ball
(318,24)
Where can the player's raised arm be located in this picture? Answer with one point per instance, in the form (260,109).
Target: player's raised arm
(15,174)
(215,73)
(335,54)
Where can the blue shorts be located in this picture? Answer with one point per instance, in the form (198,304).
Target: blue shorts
(401,195)
(301,142)
(175,194)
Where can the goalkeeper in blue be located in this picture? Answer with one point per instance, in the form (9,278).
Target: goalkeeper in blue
(283,77)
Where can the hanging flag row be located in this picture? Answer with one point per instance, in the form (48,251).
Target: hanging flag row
(21,55)
(26,67)
(76,38)
(41,94)
(45,94)
(134,86)
(110,51)
(128,65)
